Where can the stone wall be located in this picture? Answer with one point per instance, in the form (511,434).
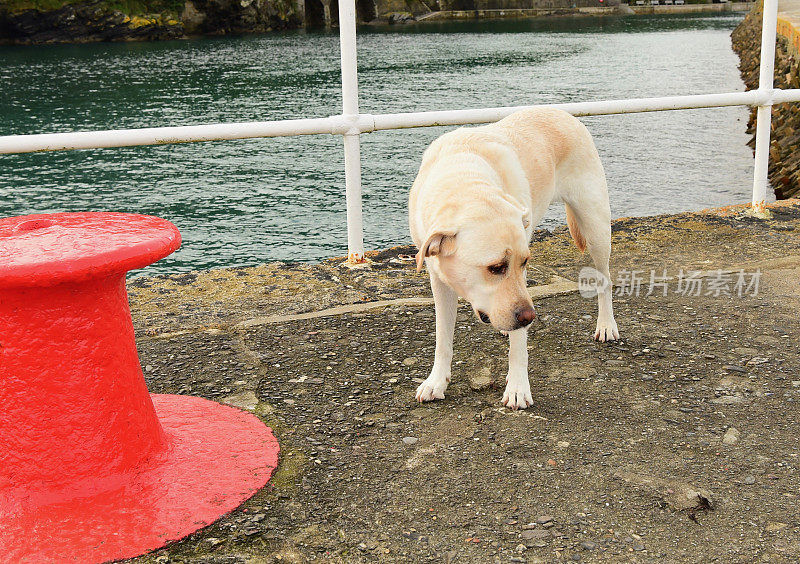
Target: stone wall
(83,22)
(784,150)
(95,20)
(78,21)
(218,17)
(392,10)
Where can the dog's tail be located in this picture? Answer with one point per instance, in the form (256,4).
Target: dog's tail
(574,230)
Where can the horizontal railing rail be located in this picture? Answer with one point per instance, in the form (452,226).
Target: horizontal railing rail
(351,124)
(367,123)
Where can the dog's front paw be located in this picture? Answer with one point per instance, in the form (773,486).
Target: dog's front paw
(432,388)
(606,331)
(518,394)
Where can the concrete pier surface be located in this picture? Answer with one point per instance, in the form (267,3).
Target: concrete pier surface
(789,24)
(790,10)
(677,444)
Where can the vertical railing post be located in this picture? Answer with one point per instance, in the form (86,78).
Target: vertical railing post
(769,24)
(352,145)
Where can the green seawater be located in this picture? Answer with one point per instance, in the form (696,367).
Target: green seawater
(247,202)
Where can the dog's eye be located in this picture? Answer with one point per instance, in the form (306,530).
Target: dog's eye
(498,269)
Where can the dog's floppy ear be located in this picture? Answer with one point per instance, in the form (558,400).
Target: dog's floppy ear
(526,213)
(440,242)
(526,218)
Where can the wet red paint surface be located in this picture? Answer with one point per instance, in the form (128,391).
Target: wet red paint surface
(216,457)
(92,467)
(39,250)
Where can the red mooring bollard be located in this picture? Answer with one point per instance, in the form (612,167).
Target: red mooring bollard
(92,467)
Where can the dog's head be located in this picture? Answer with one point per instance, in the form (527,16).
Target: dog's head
(482,255)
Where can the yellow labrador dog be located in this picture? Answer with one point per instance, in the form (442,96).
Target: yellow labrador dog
(472,209)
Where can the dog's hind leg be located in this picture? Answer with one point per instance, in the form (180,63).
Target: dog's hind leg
(589,219)
(606,329)
(446,305)
(518,388)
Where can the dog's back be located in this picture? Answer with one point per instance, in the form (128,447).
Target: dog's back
(534,155)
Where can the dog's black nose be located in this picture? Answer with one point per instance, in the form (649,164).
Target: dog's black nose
(483,316)
(524,316)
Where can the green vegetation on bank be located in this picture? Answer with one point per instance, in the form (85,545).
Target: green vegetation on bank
(130,7)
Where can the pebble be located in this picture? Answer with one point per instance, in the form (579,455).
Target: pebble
(542,519)
(589,545)
(532,534)
(637,546)
(731,436)
(521,548)
(214,541)
(481,381)
(775,526)
(756,360)
(727,400)
(410,440)
(244,400)
(767,340)
(750,480)
(575,557)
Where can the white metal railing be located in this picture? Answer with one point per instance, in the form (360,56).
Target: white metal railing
(351,124)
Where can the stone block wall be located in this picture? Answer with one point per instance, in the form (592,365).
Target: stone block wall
(784,150)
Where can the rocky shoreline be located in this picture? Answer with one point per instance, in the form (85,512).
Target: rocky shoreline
(83,23)
(96,20)
(784,151)
(32,22)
